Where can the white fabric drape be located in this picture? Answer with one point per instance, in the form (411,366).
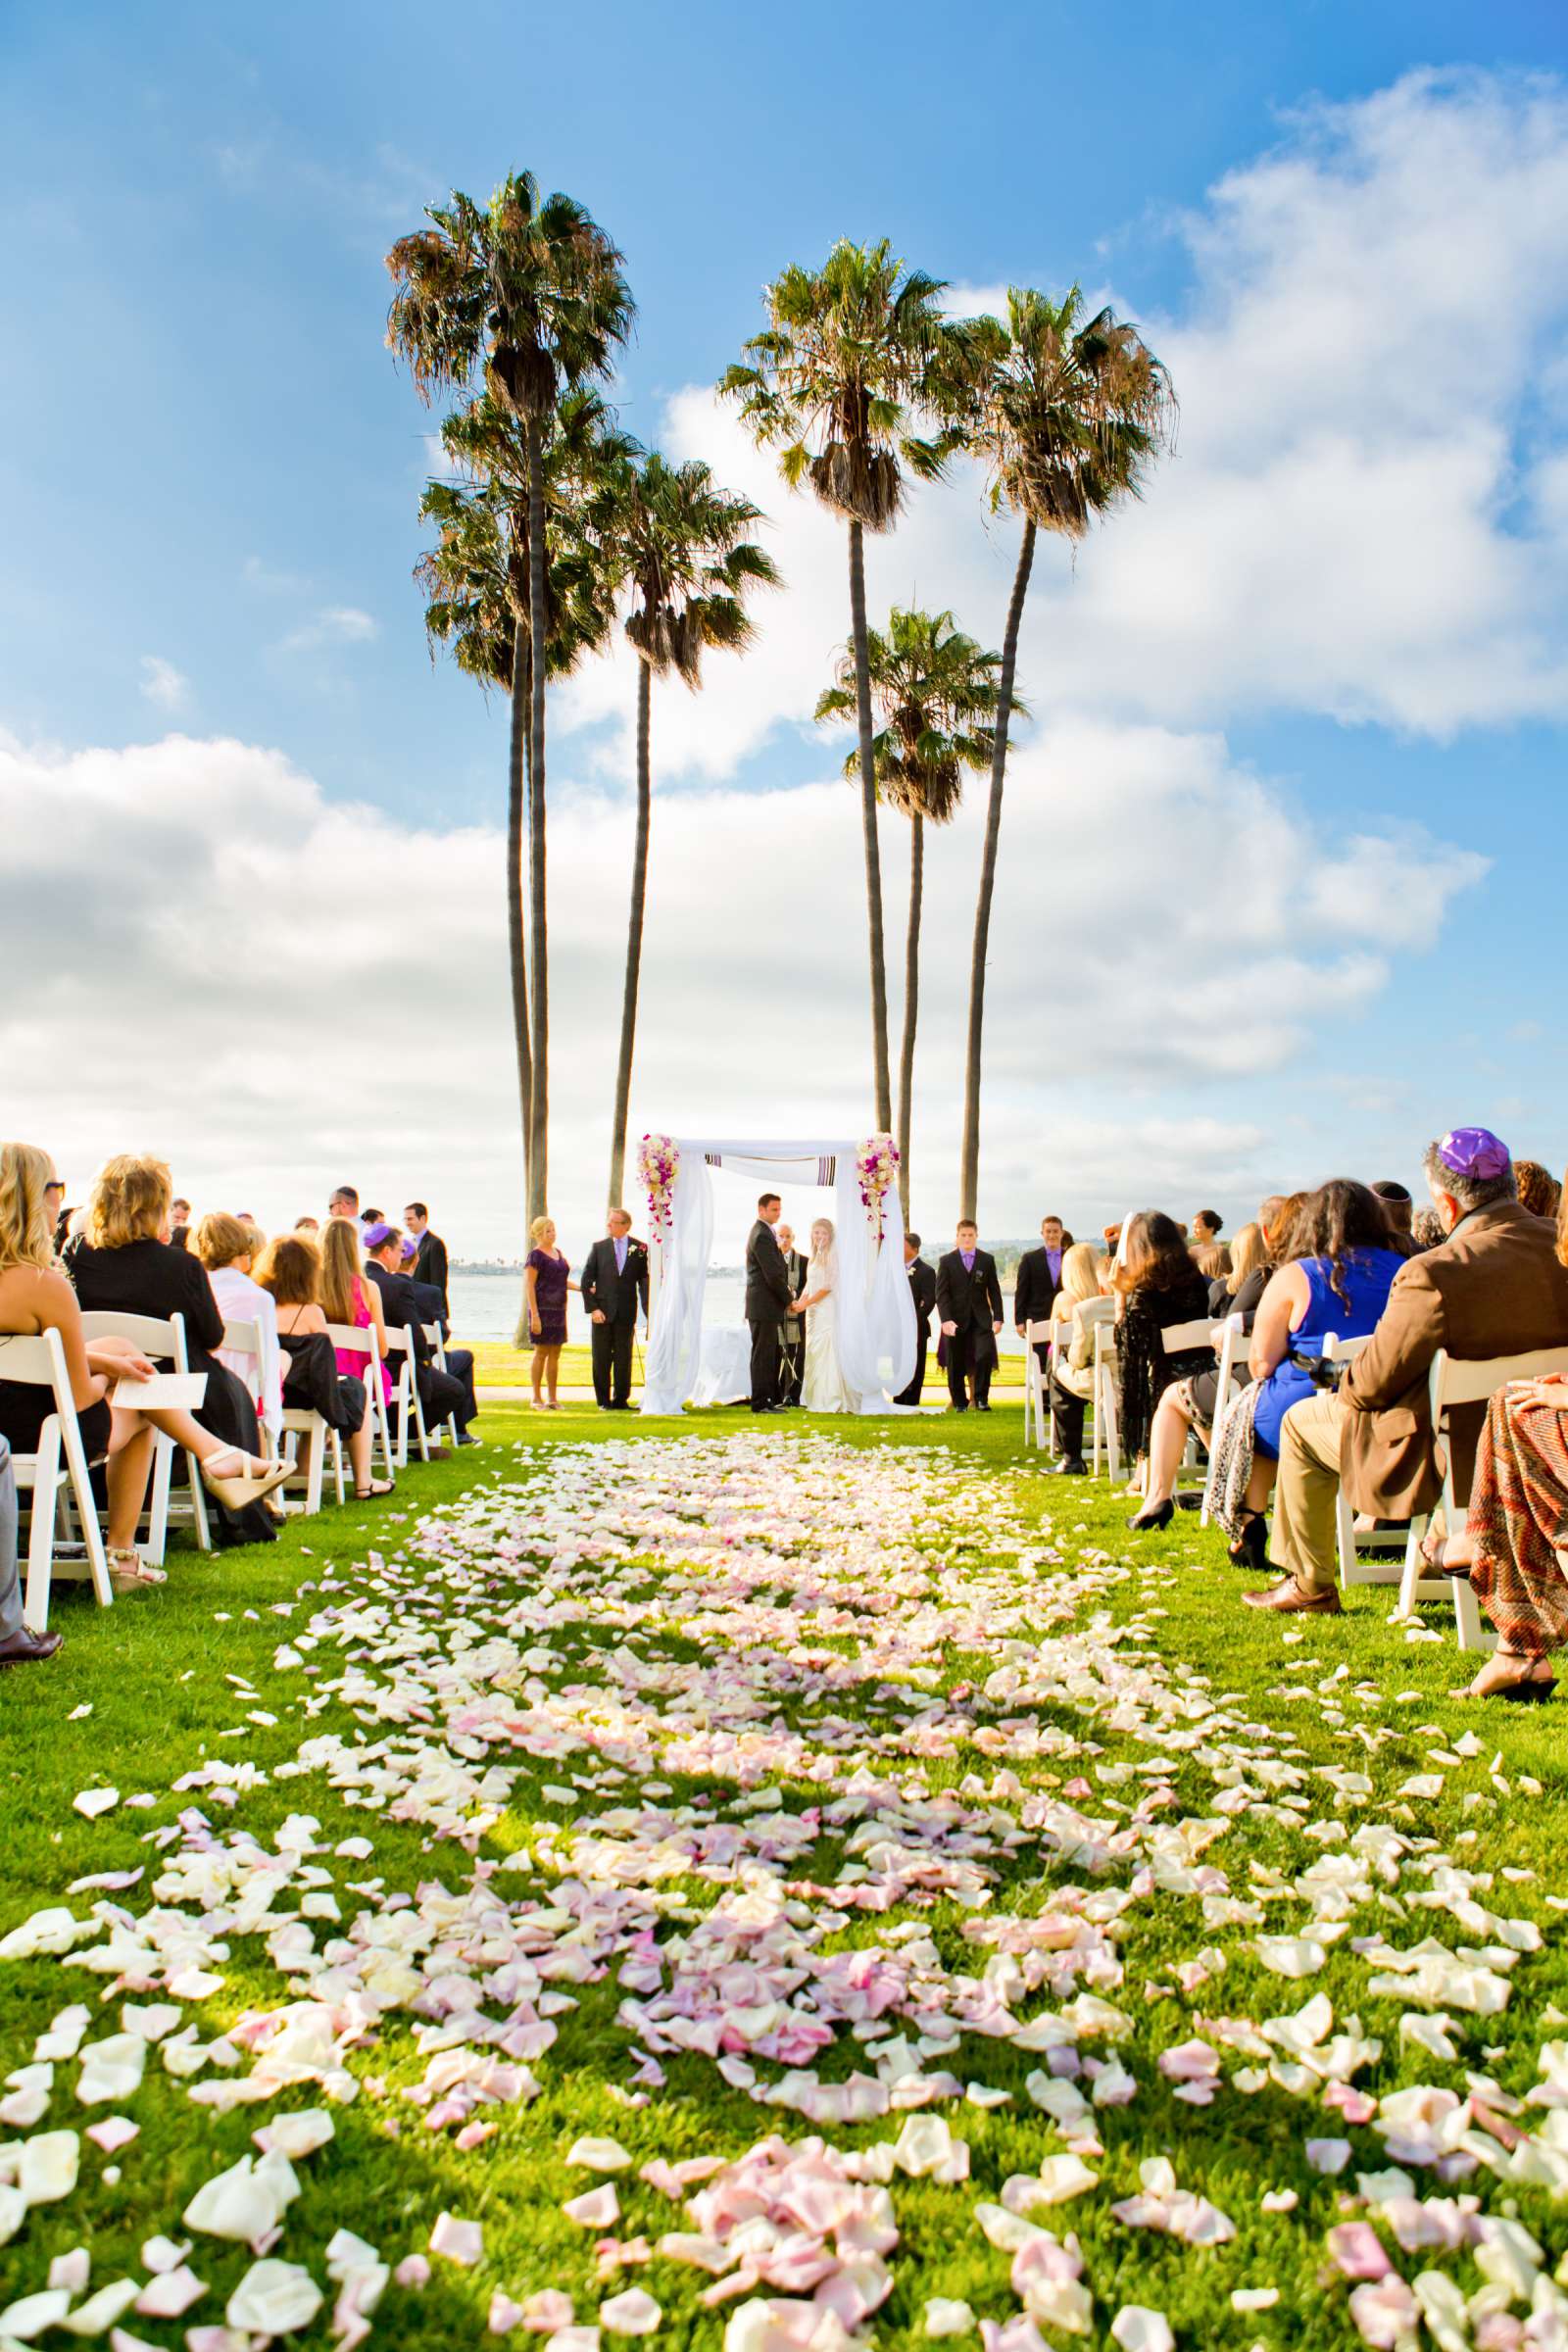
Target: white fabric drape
(875,1309)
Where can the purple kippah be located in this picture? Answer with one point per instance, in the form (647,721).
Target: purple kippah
(377,1237)
(1474,1151)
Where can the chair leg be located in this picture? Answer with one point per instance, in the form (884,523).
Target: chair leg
(1473,1631)
(46,1485)
(198,1505)
(158,1500)
(1410,1580)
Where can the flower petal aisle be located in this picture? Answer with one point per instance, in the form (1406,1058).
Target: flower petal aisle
(785,1895)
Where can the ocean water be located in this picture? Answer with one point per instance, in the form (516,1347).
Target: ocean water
(485,1307)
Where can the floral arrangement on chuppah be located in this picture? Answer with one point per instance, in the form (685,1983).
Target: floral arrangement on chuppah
(876,1164)
(659,1165)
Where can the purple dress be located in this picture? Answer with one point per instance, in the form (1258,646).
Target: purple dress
(550,1298)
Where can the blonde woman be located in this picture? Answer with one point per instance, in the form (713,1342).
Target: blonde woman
(824,1389)
(348,1297)
(1082,1300)
(546,1279)
(34,1298)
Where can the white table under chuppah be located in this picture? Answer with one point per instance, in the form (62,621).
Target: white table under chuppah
(724,1367)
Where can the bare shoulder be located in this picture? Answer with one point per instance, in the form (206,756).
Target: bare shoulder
(38,1298)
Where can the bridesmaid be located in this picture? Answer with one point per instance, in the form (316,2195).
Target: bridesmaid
(545,1277)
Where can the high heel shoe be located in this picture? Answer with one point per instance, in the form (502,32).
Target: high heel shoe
(237,1490)
(1251,1547)
(1157,1514)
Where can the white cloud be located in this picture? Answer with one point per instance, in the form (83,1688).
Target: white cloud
(163,684)
(1366,516)
(335,624)
(246,991)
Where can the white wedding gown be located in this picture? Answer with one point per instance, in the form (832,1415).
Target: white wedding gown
(823,1389)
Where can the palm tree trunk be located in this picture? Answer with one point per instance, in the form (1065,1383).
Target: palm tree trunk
(969,1177)
(911,1005)
(539,1152)
(873,856)
(516,797)
(634,939)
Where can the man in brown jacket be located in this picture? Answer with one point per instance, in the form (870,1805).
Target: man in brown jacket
(1494,1287)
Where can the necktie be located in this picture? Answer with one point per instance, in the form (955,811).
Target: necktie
(620,1257)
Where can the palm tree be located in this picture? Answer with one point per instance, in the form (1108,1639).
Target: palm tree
(1068,414)
(677,541)
(475,584)
(936,692)
(856,356)
(525,297)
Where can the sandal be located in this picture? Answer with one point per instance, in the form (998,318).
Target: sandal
(236,1491)
(128,1572)
(1437,1557)
(1530,1688)
(378,1486)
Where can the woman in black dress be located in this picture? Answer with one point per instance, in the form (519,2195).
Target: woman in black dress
(123,1262)
(34,1298)
(546,1279)
(290,1267)
(1158,1286)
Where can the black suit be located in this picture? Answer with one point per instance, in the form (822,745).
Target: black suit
(430,1265)
(767,1303)
(1034,1295)
(970,1299)
(406,1309)
(923,1290)
(459,1360)
(792,1336)
(616,1291)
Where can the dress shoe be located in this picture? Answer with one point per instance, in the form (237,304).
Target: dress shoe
(1292,1599)
(982,1405)
(27,1649)
(764,1408)
(1068,1467)
(1251,1547)
(464,1439)
(1154,1515)
(958,1408)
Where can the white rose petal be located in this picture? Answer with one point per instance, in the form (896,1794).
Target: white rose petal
(635,2313)
(34,2312)
(1136,2328)
(298,2135)
(460,2242)
(100,2310)
(944,2315)
(599,2155)
(90,1802)
(273,2298)
(47,2167)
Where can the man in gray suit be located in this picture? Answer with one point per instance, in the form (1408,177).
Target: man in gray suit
(767,1303)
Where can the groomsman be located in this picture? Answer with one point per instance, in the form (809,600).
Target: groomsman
(767,1303)
(614,1284)
(792,1331)
(1039,1280)
(969,1305)
(923,1290)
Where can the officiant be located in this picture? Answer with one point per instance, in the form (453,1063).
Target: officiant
(792,1331)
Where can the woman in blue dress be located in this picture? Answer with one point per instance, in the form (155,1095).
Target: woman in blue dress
(1338,1281)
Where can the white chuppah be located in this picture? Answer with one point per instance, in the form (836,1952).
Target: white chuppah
(876,1337)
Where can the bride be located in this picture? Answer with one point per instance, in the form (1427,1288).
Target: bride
(823,1390)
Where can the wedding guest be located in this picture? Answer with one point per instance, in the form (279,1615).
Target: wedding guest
(307,1224)
(1036,1282)
(289,1271)
(1539,1189)
(431,1262)
(344,1202)
(768,1299)
(179,1224)
(368,1219)
(970,1309)
(1082,1302)
(403,1304)
(18,1644)
(1240,1291)
(923,1290)
(614,1289)
(228,1250)
(1337,1281)
(1493,1287)
(1213,1261)
(37,1297)
(792,1330)
(1206,1224)
(350,1302)
(1515,1532)
(1397,1207)
(1426,1229)
(1158,1288)
(121,1263)
(546,1282)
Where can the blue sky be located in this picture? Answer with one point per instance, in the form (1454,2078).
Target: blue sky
(210,465)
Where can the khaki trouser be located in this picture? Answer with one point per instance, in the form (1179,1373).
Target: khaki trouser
(1305,1538)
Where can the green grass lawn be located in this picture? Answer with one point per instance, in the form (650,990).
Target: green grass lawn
(1229,1717)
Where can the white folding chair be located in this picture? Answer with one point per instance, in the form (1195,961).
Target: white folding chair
(1354,1569)
(362,1340)
(1229,1346)
(164,1338)
(1035,1383)
(55,1472)
(1179,1339)
(435,1340)
(1453,1380)
(1108,1437)
(405,1369)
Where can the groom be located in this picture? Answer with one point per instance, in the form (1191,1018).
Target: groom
(767,1303)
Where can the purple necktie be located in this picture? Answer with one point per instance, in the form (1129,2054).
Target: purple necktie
(967,1257)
